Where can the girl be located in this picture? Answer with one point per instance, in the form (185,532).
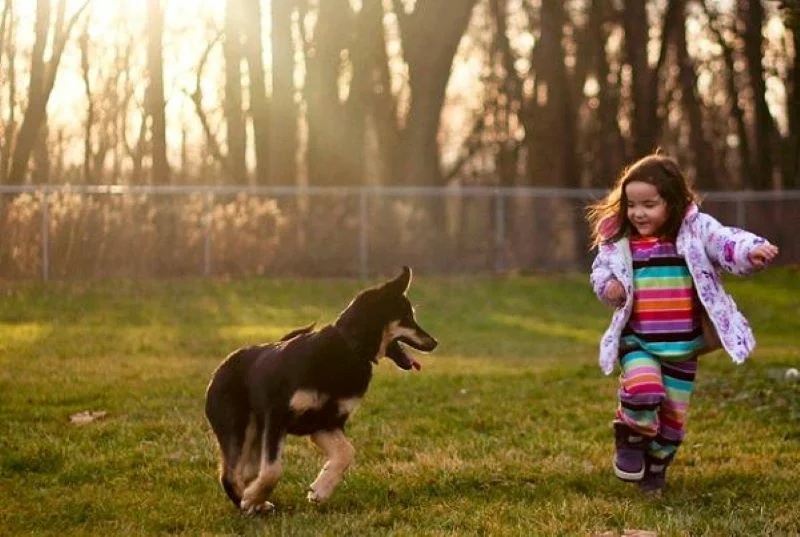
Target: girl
(657,264)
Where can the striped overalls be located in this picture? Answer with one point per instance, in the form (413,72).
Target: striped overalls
(658,350)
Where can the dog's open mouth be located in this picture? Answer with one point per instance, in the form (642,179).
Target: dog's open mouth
(400,356)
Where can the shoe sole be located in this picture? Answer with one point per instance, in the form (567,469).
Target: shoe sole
(629,476)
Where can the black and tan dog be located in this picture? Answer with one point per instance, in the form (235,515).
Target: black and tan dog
(306,384)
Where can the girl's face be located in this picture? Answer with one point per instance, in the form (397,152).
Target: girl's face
(647,210)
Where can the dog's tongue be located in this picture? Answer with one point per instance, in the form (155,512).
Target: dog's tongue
(415,364)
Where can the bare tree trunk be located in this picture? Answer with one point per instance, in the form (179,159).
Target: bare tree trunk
(41,156)
(120,127)
(733,95)
(10,126)
(383,107)
(4,25)
(511,102)
(356,108)
(43,77)
(429,47)
(87,87)
(791,178)
(259,105)
(155,93)
(197,99)
(610,144)
(645,124)
(752,13)
(551,138)
(325,110)
(703,152)
(234,118)
(283,129)
(34,113)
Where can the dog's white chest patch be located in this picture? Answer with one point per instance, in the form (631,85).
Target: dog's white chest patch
(348,406)
(305,400)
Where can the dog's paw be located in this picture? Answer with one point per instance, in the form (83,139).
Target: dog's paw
(316,496)
(256,509)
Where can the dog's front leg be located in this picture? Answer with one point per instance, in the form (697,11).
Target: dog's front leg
(254,498)
(339,454)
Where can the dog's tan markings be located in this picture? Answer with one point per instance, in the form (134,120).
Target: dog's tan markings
(254,498)
(348,406)
(399,331)
(305,400)
(248,463)
(386,338)
(339,454)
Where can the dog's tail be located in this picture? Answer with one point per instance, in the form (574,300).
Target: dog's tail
(298,332)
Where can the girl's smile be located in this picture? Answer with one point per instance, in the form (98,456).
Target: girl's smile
(647,210)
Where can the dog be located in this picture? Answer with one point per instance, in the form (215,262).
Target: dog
(308,383)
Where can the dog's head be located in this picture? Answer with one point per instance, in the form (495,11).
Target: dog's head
(385,312)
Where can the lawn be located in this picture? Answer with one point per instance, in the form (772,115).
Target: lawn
(505,431)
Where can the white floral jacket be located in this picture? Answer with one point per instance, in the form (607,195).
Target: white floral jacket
(706,245)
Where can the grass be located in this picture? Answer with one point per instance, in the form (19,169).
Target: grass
(506,431)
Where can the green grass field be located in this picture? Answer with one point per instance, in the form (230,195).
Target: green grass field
(506,431)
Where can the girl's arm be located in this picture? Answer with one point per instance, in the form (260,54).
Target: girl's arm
(601,276)
(729,247)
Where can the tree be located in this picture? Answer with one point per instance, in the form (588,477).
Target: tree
(430,36)
(283,130)
(325,111)
(752,15)
(234,118)
(155,103)
(42,79)
(728,57)
(550,115)
(700,146)
(7,48)
(645,81)
(257,90)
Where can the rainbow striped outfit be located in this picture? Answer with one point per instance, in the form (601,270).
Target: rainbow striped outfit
(659,344)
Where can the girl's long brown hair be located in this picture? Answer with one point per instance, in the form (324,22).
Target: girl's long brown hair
(608,217)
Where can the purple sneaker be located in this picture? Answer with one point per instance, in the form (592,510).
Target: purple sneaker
(629,458)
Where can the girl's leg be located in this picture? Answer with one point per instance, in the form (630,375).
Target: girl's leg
(641,392)
(678,382)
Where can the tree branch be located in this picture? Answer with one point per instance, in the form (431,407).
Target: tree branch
(197,98)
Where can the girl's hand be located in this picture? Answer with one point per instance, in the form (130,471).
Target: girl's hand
(615,293)
(762,254)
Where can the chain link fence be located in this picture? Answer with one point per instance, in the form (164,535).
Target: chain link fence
(86,232)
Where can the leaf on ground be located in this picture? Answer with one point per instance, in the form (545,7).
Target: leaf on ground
(88,416)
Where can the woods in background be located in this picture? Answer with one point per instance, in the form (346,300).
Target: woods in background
(397,92)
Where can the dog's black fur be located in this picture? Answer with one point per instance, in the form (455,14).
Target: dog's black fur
(308,383)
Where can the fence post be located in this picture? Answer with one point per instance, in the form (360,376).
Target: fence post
(499,230)
(363,250)
(45,235)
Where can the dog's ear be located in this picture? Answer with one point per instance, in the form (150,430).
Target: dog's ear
(400,284)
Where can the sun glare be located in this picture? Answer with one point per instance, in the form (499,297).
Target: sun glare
(189,26)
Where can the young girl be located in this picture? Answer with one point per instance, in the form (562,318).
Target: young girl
(657,264)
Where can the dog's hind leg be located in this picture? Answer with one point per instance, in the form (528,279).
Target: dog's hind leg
(228,417)
(339,453)
(248,462)
(254,498)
